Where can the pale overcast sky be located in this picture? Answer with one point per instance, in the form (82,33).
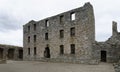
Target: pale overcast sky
(15,13)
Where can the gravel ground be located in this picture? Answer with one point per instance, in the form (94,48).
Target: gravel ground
(32,66)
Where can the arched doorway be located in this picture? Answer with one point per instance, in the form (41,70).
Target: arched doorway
(10,53)
(21,54)
(1,53)
(103,56)
(47,52)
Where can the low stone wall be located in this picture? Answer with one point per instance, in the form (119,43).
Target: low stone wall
(76,61)
(117,67)
(2,61)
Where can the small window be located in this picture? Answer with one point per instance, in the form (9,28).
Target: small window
(28,51)
(46,36)
(72,31)
(35,51)
(28,39)
(61,19)
(72,48)
(72,16)
(34,38)
(46,23)
(34,27)
(61,49)
(61,33)
(28,28)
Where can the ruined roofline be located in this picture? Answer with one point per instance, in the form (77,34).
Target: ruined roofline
(9,46)
(86,5)
(114,32)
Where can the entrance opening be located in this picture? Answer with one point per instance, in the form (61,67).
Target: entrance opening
(103,56)
(1,53)
(47,52)
(20,54)
(11,53)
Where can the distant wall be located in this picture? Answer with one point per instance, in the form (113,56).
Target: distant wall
(9,52)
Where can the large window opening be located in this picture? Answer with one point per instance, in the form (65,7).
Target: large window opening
(35,51)
(72,31)
(46,36)
(72,48)
(34,27)
(28,51)
(61,19)
(61,33)
(72,16)
(46,23)
(28,28)
(61,49)
(35,38)
(28,39)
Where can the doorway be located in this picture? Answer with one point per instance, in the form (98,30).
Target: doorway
(47,52)
(103,56)
(1,53)
(20,54)
(11,53)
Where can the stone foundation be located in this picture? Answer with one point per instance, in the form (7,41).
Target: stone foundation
(2,61)
(76,61)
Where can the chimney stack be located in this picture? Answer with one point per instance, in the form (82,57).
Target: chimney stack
(114,28)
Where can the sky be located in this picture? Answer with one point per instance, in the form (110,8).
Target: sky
(15,13)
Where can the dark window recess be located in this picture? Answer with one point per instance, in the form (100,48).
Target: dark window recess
(35,51)
(61,19)
(72,31)
(46,36)
(61,49)
(20,52)
(72,48)
(72,16)
(28,39)
(46,23)
(28,28)
(11,54)
(35,38)
(28,51)
(61,33)
(34,27)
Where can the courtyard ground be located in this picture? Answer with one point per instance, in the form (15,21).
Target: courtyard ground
(33,66)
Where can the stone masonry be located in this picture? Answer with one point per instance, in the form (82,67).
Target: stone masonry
(83,26)
(9,52)
(69,37)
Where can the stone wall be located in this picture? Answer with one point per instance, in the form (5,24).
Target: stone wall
(83,39)
(117,67)
(10,52)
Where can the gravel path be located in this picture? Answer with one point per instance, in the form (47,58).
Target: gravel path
(32,66)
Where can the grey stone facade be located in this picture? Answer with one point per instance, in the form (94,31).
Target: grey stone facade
(69,37)
(84,35)
(9,52)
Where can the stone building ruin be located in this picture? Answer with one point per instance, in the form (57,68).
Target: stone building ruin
(9,52)
(69,37)
(109,51)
